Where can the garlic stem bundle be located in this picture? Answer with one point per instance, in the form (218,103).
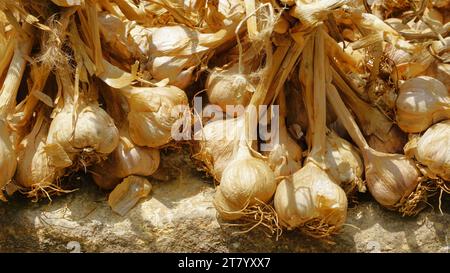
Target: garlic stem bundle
(422,101)
(391,178)
(80,126)
(311,199)
(8,93)
(432,150)
(371,120)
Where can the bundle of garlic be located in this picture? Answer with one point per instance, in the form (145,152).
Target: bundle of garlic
(310,199)
(392,179)
(168,52)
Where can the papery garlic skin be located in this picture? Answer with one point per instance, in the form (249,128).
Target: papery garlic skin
(229,87)
(8,161)
(433,149)
(153,113)
(92,131)
(421,102)
(310,194)
(343,162)
(246,181)
(390,177)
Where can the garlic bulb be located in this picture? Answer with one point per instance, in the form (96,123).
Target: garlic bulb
(310,194)
(215,144)
(131,159)
(390,177)
(344,163)
(39,165)
(433,150)
(153,112)
(84,130)
(421,102)
(245,182)
(93,134)
(126,195)
(228,86)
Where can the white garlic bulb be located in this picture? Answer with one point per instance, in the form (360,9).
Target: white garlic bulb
(229,87)
(127,159)
(86,131)
(422,101)
(310,194)
(246,181)
(390,177)
(153,112)
(433,149)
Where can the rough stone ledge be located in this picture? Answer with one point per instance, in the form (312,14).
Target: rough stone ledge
(178,216)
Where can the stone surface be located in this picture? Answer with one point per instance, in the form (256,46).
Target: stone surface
(178,216)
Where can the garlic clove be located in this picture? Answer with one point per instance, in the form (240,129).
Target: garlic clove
(126,195)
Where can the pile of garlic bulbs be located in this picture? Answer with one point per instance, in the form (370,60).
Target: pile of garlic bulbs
(305,105)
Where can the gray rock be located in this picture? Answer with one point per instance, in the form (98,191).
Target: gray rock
(178,216)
